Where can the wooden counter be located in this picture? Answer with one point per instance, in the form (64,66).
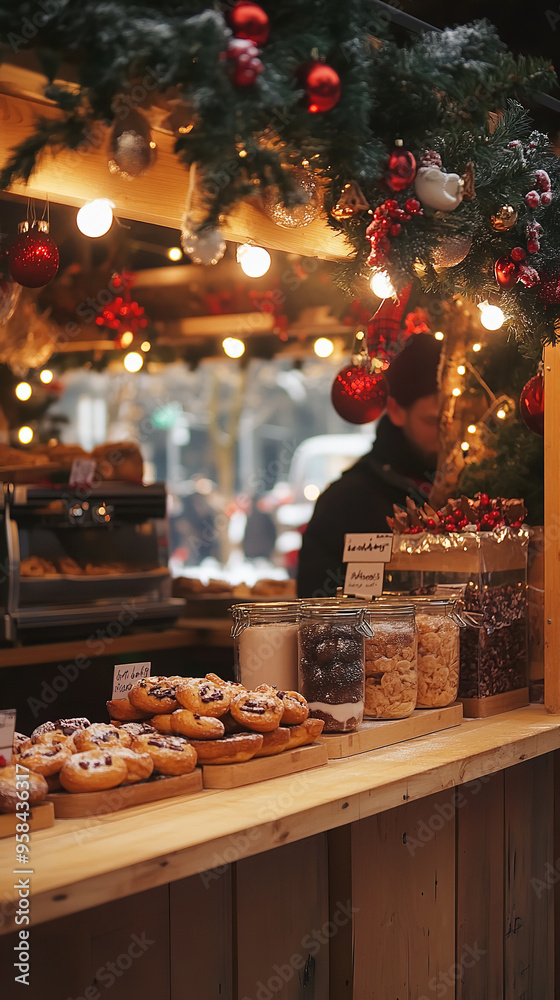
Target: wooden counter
(83,863)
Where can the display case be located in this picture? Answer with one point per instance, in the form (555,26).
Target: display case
(71,556)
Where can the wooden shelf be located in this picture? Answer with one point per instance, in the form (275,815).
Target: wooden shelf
(84,862)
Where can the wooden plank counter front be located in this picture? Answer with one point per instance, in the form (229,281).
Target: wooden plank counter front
(412,875)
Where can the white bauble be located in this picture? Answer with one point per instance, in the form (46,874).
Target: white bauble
(438,190)
(207,247)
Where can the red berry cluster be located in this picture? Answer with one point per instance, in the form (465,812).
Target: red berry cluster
(387,219)
(512,268)
(480,514)
(533,198)
(244,55)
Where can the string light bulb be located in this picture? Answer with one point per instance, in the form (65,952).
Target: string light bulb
(46,376)
(254,261)
(501,414)
(145,346)
(133,361)
(25,435)
(23,390)
(491,317)
(465,446)
(477,347)
(381,285)
(233,347)
(174,253)
(461,370)
(323,347)
(127,338)
(456,392)
(438,335)
(95,218)
(471,429)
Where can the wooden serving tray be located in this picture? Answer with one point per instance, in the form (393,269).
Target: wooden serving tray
(373,735)
(262,768)
(68,805)
(41,817)
(495,704)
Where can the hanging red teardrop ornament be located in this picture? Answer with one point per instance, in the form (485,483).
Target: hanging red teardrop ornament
(531,403)
(358,395)
(33,256)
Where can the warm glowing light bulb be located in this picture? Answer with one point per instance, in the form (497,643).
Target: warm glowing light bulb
(381,285)
(501,414)
(465,446)
(456,392)
(491,317)
(323,347)
(23,390)
(471,429)
(46,376)
(25,435)
(95,218)
(233,347)
(461,370)
(438,335)
(145,346)
(477,347)
(311,492)
(133,361)
(127,338)
(174,253)
(254,261)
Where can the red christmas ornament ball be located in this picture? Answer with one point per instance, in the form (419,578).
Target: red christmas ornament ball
(506,270)
(358,396)
(531,404)
(323,87)
(248,20)
(401,169)
(33,259)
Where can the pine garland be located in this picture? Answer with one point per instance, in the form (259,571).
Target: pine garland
(434,92)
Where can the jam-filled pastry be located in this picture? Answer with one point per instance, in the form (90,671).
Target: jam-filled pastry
(306,732)
(296,709)
(99,736)
(51,738)
(274,742)
(123,710)
(203,697)
(45,759)
(153,695)
(189,724)
(232,686)
(258,710)
(170,754)
(93,771)
(12,780)
(229,750)
(45,727)
(139,766)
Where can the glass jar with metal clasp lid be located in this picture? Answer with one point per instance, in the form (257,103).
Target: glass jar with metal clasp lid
(331,661)
(391,660)
(266,644)
(438,621)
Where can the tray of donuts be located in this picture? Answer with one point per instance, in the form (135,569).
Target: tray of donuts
(86,769)
(239,736)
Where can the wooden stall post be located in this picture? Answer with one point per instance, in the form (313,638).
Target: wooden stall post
(552,529)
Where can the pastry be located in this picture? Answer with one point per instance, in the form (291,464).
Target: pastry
(296,709)
(93,771)
(274,742)
(69,567)
(189,724)
(170,754)
(13,781)
(139,766)
(232,686)
(305,733)
(124,711)
(45,727)
(99,736)
(137,728)
(203,697)
(70,726)
(258,710)
(153,695)
(36,566)
(230,750)
(49,739)
(45,759)
(20,742)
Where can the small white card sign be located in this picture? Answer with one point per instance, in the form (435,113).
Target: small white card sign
(82,471)
(375,548)
(7,727)
(127,674)
(364,579)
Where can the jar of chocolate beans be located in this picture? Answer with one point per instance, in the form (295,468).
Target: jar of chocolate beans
(331,639)
(266,644)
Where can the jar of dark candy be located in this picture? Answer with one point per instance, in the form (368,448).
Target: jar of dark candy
(331,637)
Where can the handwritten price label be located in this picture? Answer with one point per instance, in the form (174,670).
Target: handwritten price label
(377,548)
(7,727)
(127,674)
(82,471)
(364,579)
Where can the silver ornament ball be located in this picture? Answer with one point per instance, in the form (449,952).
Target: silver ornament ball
(452,251)
(206,247)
